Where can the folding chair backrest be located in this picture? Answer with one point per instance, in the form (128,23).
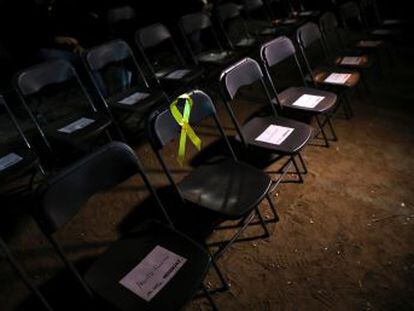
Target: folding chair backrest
(228,11)
(163,128)
(63,195)
(152,35)
(328,23)
(243,73)
(276,51)
(194,22)
(350,13)
(120,14)
(253,5)
(308,34)
(118,55)
(32,80)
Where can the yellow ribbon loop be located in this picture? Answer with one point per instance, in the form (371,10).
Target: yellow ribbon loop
(186,129)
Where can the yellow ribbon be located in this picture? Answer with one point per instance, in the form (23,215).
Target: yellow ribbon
(186,130)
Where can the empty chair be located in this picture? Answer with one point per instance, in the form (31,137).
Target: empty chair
(19,163)
(353,19)
(60,107)
(164,58)
(321,73)
(303,100)
(336,46)
(229,189)
(121,22)
(202,40)
(234,26)
(272,134)
(121,82)
(154,267)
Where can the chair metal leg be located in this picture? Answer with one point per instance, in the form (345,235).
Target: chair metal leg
(210,299)
(22,274)
(224,284)
(273,208)
(262,223)
(321,129)
(69,265)
(297,168)
(302,162)
(331,128)
(348,105)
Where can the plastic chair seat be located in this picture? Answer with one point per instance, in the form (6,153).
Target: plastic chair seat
(293,143)
(153,99)
(321,73)
(124,255)
(232,189)
(101,123)
(28,162)
(290,95)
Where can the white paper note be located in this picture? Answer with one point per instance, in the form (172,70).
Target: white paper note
(351,60)
(337,78)
(153,273)
(369,43)
(245,42)
(391,22)
(133,99)
(211,57)
(306,13)
(381,32)
(77,125)
(308,101)
(289,21)
(177,74)
(275,134)
(9,160)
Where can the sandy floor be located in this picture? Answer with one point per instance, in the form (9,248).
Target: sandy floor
(344,241)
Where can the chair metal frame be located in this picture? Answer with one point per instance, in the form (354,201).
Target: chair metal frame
(293,54)
(50,226)
(24,91)
(245,221)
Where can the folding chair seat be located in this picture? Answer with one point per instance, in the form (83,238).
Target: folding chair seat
(120,276)
(295,135)
(168,65)
(202,41)
(228,188)
(234,26)
(77,121)
(308,38)
(121,83)
(17,157)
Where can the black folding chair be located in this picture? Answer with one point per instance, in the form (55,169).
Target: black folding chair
(263,19)
(320,72)
(19,163)
(202,41)
(338,51)
(230,189)
(167,65)
(234,27)
(289,101)
(121,22)
(296,135)
(76,122)
(121,83)
(63,196)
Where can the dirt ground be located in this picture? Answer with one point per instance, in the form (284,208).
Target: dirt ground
(344,240)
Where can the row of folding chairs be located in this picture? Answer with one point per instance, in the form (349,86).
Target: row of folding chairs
(235,188)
